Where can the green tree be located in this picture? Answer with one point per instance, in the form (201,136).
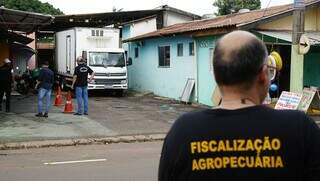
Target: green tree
(31,6)
(232,6)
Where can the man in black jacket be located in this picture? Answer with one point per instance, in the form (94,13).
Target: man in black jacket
(241,139)
(6,80)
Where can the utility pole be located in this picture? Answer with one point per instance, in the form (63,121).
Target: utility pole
(296,73)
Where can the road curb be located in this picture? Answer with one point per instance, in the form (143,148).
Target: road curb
(82,141)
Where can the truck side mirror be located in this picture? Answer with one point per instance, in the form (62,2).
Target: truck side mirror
(129,61)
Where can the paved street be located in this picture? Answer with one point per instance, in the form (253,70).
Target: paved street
(108,116)
(124,162)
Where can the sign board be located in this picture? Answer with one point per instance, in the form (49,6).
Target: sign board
(315,104)
(306,100)
(304,44)
(289,100)
(185,97)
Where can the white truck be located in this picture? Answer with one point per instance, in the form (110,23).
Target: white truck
(100,47)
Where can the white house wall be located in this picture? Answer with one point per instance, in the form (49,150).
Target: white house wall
(150,25)
(171,18)
(143,27)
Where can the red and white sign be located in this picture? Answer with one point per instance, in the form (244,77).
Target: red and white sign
(289,100)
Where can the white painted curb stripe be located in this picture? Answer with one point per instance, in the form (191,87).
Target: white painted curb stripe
(78,161)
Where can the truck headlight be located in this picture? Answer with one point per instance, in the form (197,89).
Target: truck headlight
(123,81)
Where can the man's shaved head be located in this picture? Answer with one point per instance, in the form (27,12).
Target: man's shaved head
(238,58)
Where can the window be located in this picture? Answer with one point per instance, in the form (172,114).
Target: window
(97,33)
(136,52)
(104,59)
(191,49)
(180,49)
(164,56)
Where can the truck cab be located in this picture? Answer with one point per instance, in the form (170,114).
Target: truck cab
(110,67)
(101,48)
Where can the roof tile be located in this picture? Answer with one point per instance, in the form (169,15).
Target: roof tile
(237,19)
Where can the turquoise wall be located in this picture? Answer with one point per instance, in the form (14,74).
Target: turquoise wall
(125,35)
(312,67)
(205,72)
(125,32)
(145,75)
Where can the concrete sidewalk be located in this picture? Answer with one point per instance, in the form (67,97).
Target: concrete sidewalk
(111,120)
(132,118)
(25,127)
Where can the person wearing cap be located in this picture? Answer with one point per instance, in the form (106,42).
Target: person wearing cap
(44,83)
(80,84)
(6,80)
(241,139)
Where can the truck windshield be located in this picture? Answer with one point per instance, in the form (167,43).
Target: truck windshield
(106,59)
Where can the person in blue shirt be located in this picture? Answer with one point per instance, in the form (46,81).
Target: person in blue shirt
(44,83)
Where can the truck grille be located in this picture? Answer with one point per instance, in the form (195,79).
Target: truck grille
(117,74)
(108,81)
(110,74)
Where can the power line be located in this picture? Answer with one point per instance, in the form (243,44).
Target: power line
(265,10)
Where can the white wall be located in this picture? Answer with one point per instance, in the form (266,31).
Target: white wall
(171,18)
(85,41)
(82,40)
(61,50)
(150,25)
(143,27)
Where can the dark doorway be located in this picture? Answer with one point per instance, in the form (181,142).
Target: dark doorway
(46,55)
(283,77)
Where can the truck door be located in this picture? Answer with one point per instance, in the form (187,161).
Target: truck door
(68,53)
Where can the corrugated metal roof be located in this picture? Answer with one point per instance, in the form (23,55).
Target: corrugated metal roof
(314,37)
(108,18)
(14,37)
(22,21)
(236,20)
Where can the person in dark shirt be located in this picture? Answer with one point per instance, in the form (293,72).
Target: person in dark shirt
(44,83)
(6,80)
(80,83)
(241,139)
